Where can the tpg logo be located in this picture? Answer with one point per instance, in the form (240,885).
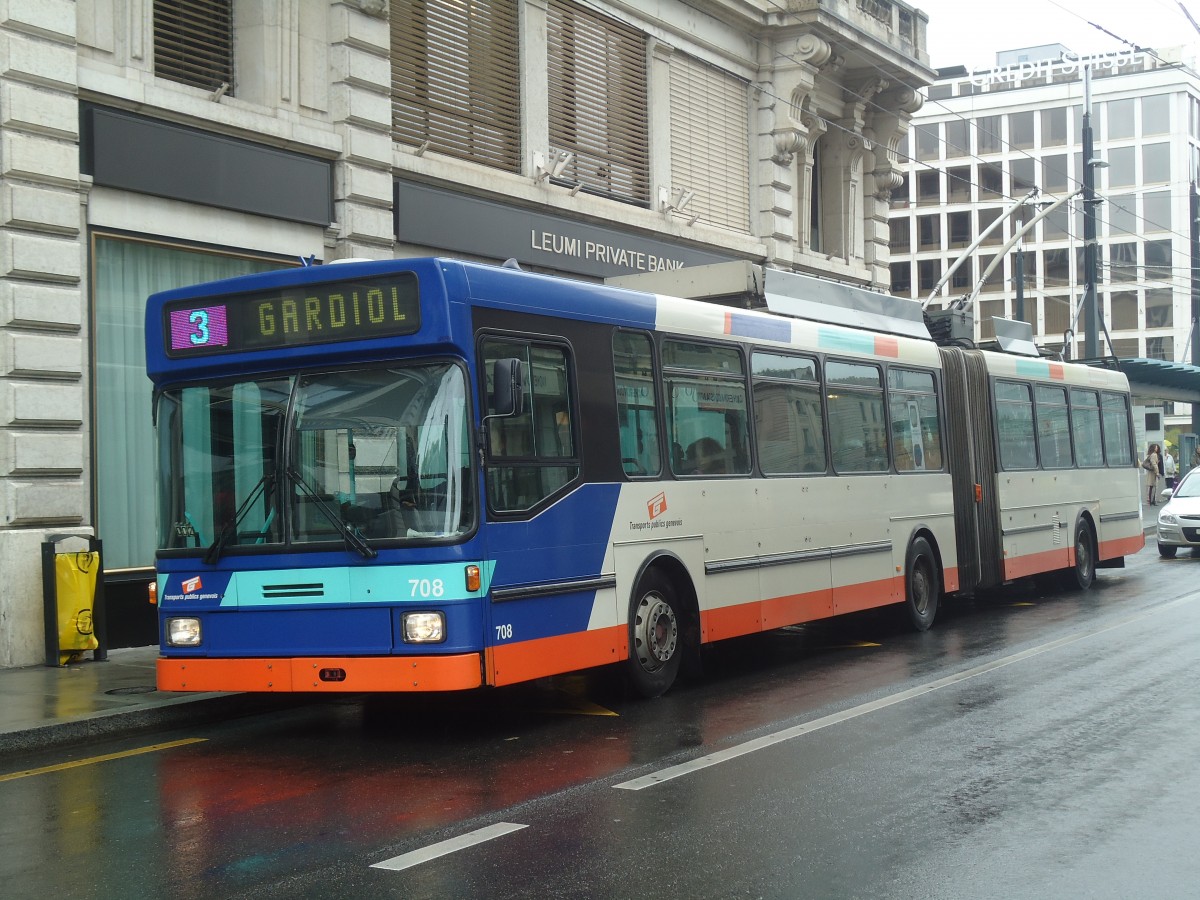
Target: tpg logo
(192,585)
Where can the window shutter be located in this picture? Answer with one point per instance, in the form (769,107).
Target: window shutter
(456,79)
(597,93)
(193,42)
(710,142)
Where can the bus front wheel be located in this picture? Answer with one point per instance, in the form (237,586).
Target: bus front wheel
(655,636)
(921,585)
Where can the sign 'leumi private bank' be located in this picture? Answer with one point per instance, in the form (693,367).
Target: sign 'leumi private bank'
(446,220)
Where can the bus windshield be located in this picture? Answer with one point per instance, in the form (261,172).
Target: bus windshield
(380,455)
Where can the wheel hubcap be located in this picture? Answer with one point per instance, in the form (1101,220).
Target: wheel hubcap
(655,632)
(920,589)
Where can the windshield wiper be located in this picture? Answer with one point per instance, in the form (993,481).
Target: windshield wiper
(229,529)
(351,535)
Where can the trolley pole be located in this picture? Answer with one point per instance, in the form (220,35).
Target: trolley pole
(1091,307)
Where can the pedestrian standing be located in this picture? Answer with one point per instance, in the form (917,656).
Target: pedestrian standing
(1152,465)
(1168,467)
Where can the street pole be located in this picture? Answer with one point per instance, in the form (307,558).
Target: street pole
(1195,330)
(1091,308)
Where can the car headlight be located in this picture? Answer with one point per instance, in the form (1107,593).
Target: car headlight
(183,632)
(424,627)
(1167,519)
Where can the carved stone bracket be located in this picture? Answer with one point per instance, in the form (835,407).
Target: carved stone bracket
(788,142)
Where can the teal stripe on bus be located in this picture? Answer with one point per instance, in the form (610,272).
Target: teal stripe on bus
(829,339)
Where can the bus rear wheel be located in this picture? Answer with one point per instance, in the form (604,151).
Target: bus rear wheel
(1081,575)
(921,587)
(655,636)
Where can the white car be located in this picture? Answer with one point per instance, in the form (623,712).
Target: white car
(1179,520)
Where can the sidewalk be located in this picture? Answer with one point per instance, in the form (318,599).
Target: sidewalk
(44,707)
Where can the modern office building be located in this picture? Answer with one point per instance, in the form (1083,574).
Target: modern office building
(985,139)
(146,144)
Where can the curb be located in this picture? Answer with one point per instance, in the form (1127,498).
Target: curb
(178,713)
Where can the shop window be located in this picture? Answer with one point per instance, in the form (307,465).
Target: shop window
(127,272)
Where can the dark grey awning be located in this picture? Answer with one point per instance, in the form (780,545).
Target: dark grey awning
(1162,379)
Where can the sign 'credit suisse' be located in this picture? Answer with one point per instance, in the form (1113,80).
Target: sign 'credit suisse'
(283,317)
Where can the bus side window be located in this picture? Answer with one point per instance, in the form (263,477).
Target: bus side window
(916,430)
(706,408)
(637,405)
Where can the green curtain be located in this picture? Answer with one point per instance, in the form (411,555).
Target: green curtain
(127,272)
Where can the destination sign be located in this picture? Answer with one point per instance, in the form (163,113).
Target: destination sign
(295,317)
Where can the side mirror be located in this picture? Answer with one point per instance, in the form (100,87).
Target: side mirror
(508,387)
(1168,494)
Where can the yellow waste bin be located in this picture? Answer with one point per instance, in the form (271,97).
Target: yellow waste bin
(73,613)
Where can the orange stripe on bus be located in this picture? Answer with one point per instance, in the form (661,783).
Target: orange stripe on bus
(887,346)
(459,672)
(1126,546)
(1057,372)
(950,579)
(525,660)
(1035,563)
(868,595)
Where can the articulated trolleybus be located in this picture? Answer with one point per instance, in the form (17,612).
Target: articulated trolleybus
(429,475)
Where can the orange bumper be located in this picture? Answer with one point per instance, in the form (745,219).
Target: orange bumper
(351,674)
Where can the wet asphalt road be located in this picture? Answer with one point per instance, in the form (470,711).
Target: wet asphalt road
(1031,745)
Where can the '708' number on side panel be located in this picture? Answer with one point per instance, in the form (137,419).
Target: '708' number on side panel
(504,632)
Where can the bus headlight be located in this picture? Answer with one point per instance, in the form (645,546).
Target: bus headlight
(424,627)
(183,632)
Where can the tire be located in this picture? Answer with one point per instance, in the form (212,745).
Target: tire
(655,636)
(1082,575)
(1167,552)
(921,585)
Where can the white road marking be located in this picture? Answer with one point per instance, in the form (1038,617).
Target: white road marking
(787,734)
(442,848)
